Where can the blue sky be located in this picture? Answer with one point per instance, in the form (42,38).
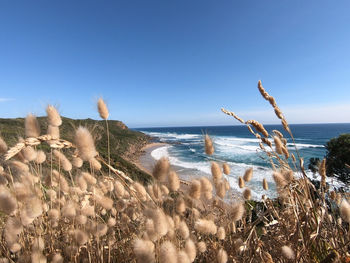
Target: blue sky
(174,63)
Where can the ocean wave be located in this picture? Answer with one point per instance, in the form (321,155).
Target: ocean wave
(172,135)
(304,145)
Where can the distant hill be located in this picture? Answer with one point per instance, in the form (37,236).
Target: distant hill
(125,144)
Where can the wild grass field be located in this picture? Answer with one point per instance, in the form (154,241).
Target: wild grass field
(63,201)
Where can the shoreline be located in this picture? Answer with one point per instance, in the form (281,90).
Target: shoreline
(146,162)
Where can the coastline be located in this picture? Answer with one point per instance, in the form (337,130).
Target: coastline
(146,162)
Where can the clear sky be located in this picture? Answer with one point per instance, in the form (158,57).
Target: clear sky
(176,62)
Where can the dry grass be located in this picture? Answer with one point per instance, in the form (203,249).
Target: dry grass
(54,211)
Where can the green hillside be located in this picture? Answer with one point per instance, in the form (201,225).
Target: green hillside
(125,143)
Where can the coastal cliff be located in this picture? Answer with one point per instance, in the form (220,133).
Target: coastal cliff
(125,143)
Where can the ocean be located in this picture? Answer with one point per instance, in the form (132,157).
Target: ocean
(236,146)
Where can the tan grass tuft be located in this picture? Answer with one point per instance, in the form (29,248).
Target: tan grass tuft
(80,237)
(40,157)
(221,234)
(85,144)
(8,203)
(209,147)
(216,172)
(221,256)
(96,165)
(279,179)
(180,206)
(119,189)
(202,247)
(57,258)
(190,249)
(322,172)
(237,211)
(32,128)
(161,169)
(173,181)
(258,126)
(226,169)
(195,189)
(29,153)
(77,162)
(247,194)
(221,189)
(66,164)
(140,191)
(102,109)
(278,144)
(265,184)
(91,180)
(241,182)
(182,257)
(54,132)
(248,174)
(345,210)
(183,230)
(53,117)
(3,146)
(168,253)
(143,251)
(287,252)
(205,226)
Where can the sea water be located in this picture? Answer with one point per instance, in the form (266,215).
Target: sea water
(236,146)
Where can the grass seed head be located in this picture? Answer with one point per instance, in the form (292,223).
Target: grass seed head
(53,117)
(216,172)
(205,226)
(85,144)
(102,109)
(209,147)
(173,181)
(248,174)
(190,249)
(221,256)
(345,210)
(168,253)
(161,169)
(226,168)
(287,252)
(32,128)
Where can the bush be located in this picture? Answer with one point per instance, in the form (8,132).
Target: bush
(338,155)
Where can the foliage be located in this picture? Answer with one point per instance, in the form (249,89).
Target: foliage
(338,157)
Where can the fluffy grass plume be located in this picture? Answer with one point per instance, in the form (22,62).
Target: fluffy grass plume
(173,181)
(32,128)
(102,109)
(222,256)
(161,169)
(205,226)
(345,210)
(168,253)
(226,168)
(85,144)
(248,174)
(287,252)
(216,171)
(53,117)
(209,147)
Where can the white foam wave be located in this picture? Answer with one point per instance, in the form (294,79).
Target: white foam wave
(304,145)
(172,135)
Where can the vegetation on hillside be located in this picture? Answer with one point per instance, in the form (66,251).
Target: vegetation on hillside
(59,204)
(125,143)
(338,157)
